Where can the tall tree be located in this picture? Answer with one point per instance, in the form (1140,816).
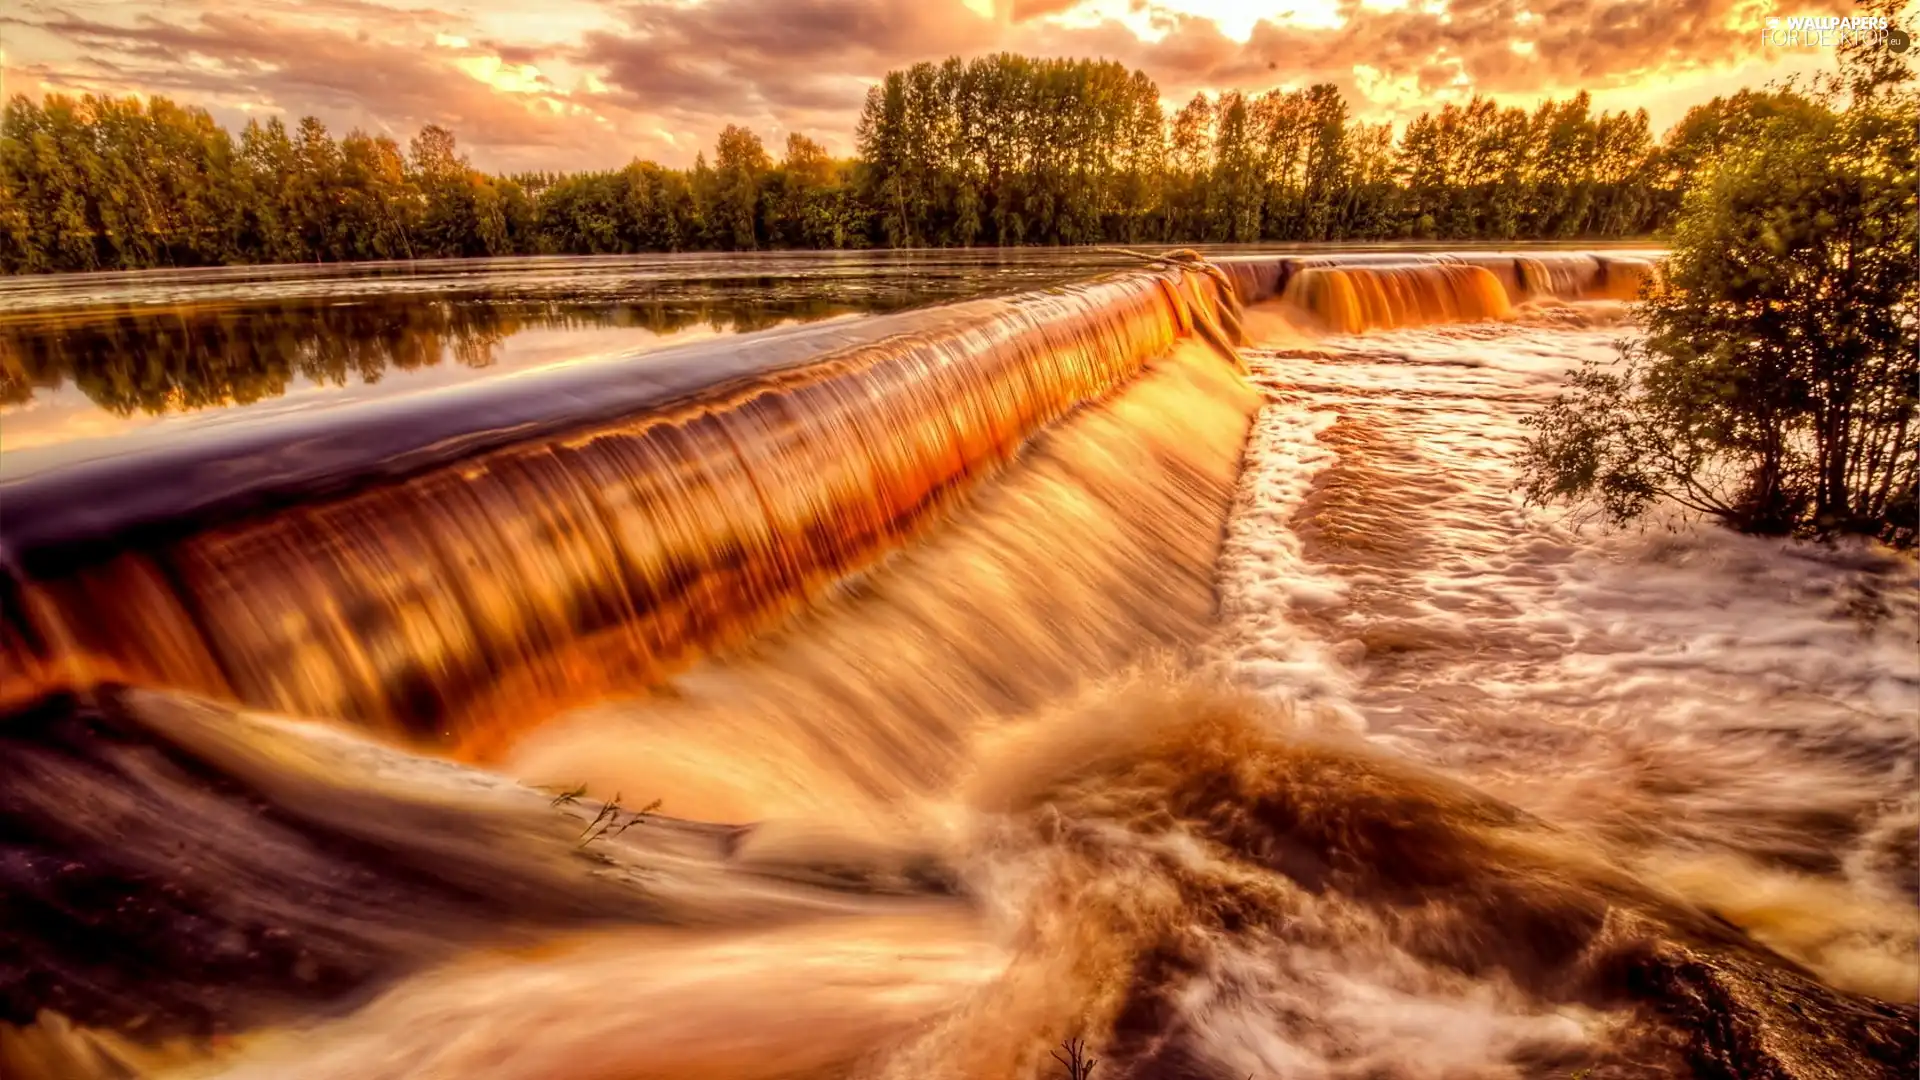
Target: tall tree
(1776,387)
(740,163)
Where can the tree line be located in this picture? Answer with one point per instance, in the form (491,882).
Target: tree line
(1002,149)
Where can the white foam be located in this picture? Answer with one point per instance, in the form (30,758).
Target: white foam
(1724,685)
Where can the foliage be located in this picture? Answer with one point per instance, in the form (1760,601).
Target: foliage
(1775,388)
(998,150)
(1012,150)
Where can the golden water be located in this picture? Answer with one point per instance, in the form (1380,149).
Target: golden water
(1075,684)
(1351,299)
(554,572)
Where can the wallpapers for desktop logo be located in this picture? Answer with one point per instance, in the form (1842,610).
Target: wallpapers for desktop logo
(1829,31)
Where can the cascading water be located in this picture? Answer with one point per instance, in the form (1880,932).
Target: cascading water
(1349,299)
(1046,676)
(553,570)
(1561,277)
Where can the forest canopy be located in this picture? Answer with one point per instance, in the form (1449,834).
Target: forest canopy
(997,150)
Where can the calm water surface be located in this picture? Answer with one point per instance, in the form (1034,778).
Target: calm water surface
(105,362)
(94,365)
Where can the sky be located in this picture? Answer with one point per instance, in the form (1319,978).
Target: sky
(570,84)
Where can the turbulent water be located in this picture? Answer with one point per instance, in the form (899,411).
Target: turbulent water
(1054,671)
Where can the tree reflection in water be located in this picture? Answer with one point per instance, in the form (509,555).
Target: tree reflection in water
(159,360)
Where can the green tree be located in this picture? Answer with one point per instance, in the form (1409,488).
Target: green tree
(1775,387)
(1143,153)
(703,205)
(463,213)
(1327,165)
(1237,189)
(805,197)
(1192,168)
(375,203)
(270,168)
(884,157)
(740,163)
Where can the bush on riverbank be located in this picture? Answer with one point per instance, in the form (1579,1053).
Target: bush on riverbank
(1775,387)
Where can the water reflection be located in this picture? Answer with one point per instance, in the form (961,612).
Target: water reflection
(94,364)
(200,356)
(106,363)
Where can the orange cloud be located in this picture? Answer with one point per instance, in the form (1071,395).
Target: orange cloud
(594,82)
(1023,10)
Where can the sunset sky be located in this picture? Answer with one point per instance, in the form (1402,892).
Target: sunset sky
(582,83)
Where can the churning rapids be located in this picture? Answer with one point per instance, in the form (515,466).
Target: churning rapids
(1164,661)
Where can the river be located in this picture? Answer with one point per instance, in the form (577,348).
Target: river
(899,695)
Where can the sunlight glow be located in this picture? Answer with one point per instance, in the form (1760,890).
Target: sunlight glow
(511,78)
(1235,19)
